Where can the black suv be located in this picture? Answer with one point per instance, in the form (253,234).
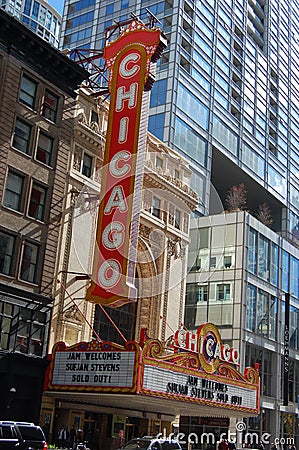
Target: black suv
(21,436)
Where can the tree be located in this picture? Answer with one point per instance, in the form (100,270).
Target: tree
(236,198)
(264,214)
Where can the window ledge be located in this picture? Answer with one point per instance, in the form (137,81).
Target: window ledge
(11,210)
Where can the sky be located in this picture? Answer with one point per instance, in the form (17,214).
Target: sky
(57,4)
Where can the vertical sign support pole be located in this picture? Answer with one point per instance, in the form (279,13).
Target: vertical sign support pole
(286,351)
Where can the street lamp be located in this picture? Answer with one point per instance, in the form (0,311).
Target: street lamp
(10,400)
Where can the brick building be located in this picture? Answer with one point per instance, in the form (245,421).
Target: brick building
(37,96)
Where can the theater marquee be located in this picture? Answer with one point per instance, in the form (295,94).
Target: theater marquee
(204,374)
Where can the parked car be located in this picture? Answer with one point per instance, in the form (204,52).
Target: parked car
(151,443)
(21,436)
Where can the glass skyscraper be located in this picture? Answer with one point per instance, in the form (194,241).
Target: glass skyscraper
(226,90)
(39,16)
(226,97)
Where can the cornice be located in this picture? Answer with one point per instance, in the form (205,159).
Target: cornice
(158,179)
(19,41)
(88,131)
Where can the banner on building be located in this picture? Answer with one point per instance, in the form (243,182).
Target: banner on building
(129,60)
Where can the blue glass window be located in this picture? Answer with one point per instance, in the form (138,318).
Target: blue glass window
(251,307)
(80,20)
(154,9)
(124,4)
(48,20)
(294,195)
(190,142)
(35,10)
(54,25)
(156,125)
(203,45)
(204,28)
(285,268)
(252,251)
(294,226)
(205,65)
(107,24)
(252,160)
(80,35)
(294,271)
(158,93)
(223,49)
(203,83)
(276,181)
(222,82)
(82,4)
(193,107)
(222,65)
(198,183)
(262,313)
(225,136)
(206,13)
(42,14)
(109,8)
(227,20)
(274,264)
(273,311)
(263,257)
(33,25)
(27,7)
(294,323)
(223,101)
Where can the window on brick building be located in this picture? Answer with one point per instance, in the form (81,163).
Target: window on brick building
(50,106)
(21,136)
(14,190)
(28,89)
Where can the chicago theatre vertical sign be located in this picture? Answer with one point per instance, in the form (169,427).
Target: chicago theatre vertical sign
(129,59)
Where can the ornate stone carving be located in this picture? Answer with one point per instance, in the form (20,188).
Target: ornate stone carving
(95,127)
(81,117)
(174,248)
(72,314)
(77,158)
(144,231)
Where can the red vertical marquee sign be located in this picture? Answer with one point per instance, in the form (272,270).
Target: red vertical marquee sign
(129,60)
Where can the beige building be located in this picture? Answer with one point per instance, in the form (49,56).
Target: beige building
(161,267)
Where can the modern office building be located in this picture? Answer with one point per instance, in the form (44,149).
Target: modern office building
(39,16)
(240,272)
(226,97)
